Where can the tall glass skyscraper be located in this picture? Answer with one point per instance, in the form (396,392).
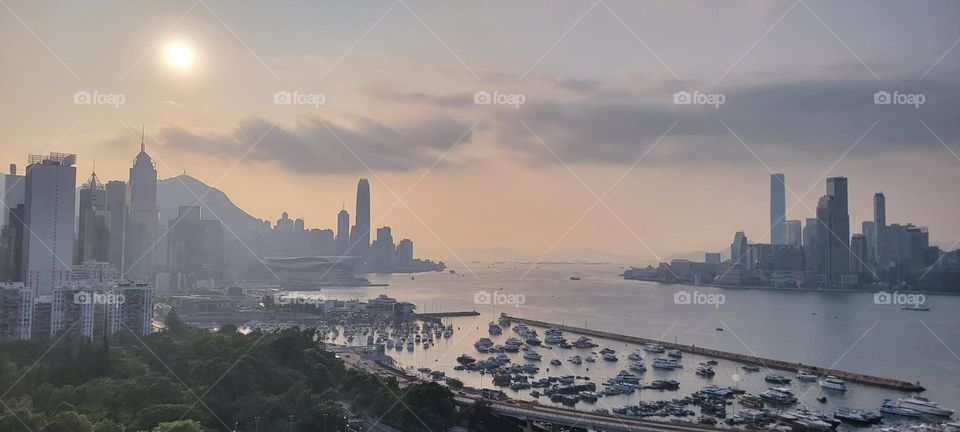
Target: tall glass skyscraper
(144,216)
(778,210)
(360,237)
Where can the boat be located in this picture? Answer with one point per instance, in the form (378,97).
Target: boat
(822,399)
(750,368)
(662,363)
(532,355)
(634,356)
(589,359)
(534,341)
(858,416)
(891,407)
(751,401)
(653,348)
(575,360)
(409,345)
(389,343)
(638,366)
(589,396)
(776,379)
(555,362)
(925,406)
(494,329)
(624,377)
(553,339)
(705,371)
(916,307)
(609,357)
(778,395)
(675,353)
(608,351)
(574,278)
(665,384)
(833,383)
(584,342)
(804,375)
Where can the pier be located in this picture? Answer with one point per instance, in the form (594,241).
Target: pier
(448,314)
(742,358)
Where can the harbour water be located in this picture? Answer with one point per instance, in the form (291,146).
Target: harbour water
(847,331)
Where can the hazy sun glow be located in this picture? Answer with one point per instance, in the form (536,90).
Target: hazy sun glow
(179,55)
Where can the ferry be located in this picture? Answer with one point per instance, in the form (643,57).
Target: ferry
(833,383)
(891,407)
(924,405)
(804,375)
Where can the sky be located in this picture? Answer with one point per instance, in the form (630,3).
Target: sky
(284,105)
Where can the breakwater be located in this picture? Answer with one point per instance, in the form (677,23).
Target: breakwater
(742,358)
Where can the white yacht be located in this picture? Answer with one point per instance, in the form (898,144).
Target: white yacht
(653,348)
(662,363)
(804,375)
(532,355)
(891,407)
(924,405)
(833,383)
(635,356)
(590,359)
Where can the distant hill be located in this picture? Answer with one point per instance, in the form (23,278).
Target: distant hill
(241,232)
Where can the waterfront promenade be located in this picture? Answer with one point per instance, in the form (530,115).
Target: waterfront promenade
(742,358)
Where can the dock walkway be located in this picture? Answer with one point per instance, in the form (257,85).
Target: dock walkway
(742,358)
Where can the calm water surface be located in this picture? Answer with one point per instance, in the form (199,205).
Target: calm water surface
(845,331)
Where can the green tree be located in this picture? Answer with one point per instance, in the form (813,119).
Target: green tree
(175,325)
(179,426)
(68,421)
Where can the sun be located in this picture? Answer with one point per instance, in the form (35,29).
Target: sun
(179,55)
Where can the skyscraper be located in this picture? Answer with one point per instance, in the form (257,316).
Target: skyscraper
(343,232)
(794,233)
(879,229)
(360,237)
(93,229)
(50,202)
(778,210)
(12,190)
(833,231)
(144,216)
(117,206)
(810,242)
(740,250)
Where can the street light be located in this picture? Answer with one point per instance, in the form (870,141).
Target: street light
(290,419)
(324,422)
(256,424)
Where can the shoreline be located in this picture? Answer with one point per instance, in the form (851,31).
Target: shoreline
(769,288)
(888,383)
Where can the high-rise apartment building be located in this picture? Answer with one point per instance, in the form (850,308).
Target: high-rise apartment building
(778,210)
(50,202)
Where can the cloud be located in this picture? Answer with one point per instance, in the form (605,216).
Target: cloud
(313,147)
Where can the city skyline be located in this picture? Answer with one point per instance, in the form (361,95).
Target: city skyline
(809,113)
